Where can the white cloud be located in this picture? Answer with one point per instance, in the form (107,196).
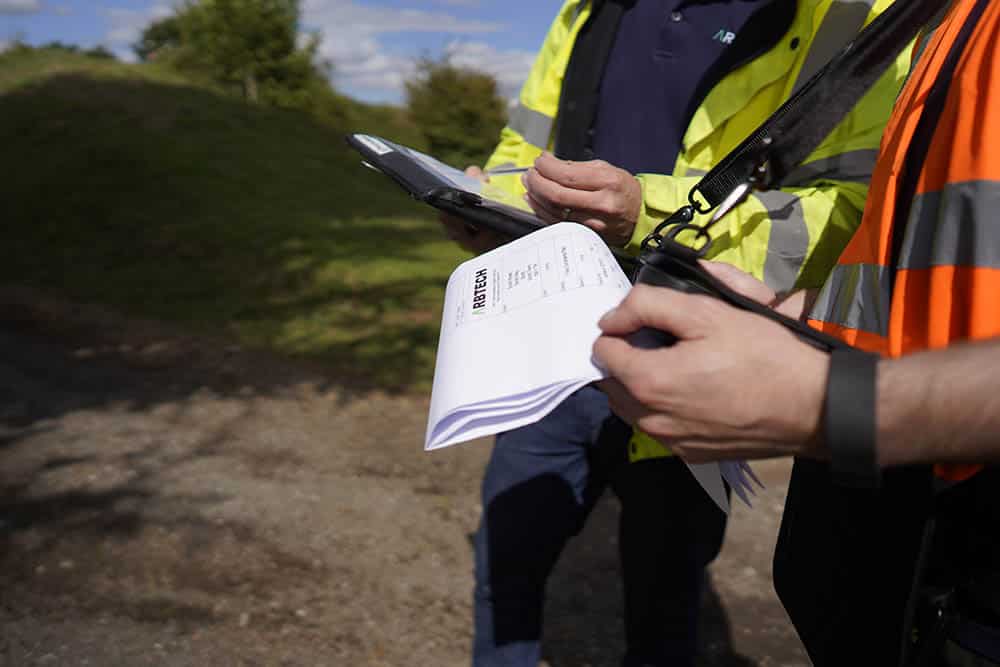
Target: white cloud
(350,16)
(125,26)
(361,63)
(351,33)
(20,6)
(510,68)
(353,41)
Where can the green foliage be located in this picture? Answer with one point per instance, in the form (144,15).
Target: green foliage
(158,38)
(126,186)
(246,45)
(64,48)
(100,52)
(458,110)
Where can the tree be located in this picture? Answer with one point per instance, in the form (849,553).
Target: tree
(457,109)
(251,44)
(158,36)
(101,52)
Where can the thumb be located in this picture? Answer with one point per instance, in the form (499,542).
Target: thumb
(476,172)
(684,315)
(740,281)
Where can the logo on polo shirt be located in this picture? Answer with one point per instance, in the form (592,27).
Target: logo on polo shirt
(724,36)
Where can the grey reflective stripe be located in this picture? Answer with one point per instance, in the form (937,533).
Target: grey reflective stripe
(856,296)
(691,171)
(842,22)
(534,126)
(926,34)
(954,227)
(579,9)
(852,166)
(789,241)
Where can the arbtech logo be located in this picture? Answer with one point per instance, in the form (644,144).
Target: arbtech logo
(479,291)
(724,36)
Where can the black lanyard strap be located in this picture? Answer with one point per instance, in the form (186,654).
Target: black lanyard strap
(800,125)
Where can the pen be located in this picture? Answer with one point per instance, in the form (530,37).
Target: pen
(500,171)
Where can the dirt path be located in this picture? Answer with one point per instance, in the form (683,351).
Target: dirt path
(168,502)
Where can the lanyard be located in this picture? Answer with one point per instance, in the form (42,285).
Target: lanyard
(799,125)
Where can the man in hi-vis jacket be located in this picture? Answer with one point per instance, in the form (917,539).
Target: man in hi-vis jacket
(628,103)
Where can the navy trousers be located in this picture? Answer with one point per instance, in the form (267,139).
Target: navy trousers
(540,485)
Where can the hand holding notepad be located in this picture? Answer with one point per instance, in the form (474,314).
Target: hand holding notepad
(517,330)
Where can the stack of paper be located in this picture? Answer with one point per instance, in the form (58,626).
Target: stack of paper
(517,331)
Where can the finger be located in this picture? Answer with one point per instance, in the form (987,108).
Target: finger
(590,175)
(476,172)
(598,225)
(624,362)
(704,451)
(621,402)
(686,316)
(796,304)
(545,212)
(551,215)
(559,196)
(740,282)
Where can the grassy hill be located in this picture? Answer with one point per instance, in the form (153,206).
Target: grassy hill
(129,186)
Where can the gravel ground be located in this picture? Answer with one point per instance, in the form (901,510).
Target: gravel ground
(166,500)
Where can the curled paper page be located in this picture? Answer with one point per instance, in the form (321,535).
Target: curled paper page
(517,331)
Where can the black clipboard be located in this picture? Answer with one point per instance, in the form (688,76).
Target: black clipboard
(442,186)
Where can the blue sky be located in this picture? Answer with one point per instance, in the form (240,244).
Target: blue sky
(372,43)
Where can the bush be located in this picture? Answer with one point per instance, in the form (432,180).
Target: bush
(458,110)
(248,45)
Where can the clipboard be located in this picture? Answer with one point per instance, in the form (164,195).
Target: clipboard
(444,187)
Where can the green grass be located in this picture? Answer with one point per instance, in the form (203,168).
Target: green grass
(125,185)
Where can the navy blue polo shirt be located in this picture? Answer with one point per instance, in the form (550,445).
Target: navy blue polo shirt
(663,50)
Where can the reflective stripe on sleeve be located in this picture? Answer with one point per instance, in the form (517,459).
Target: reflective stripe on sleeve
(534,126)
(856,296)
(842,22)
(852,167)
(956,226)
(788,243)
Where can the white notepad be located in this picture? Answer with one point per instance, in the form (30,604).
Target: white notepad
(517,331)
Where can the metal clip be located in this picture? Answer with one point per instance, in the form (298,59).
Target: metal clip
(732,200)
(682,216)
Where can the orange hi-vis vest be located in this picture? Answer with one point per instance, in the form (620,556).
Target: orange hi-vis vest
(944,285)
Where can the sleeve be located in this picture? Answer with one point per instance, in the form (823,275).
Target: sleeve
(529,125)
(791,237)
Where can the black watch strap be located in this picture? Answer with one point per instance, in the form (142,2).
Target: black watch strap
(849,418)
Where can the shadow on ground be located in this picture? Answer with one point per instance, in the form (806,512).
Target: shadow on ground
(175,499)
(177,204)
(178,506)
(584,613)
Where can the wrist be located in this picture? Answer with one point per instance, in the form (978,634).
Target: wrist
(807,428)
(894,418)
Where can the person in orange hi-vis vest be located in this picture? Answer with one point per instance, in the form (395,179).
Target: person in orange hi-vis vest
(915,424)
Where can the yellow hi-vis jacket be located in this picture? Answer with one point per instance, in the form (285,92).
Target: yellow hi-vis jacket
(788,238)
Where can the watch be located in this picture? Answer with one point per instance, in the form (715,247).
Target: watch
(849,418)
